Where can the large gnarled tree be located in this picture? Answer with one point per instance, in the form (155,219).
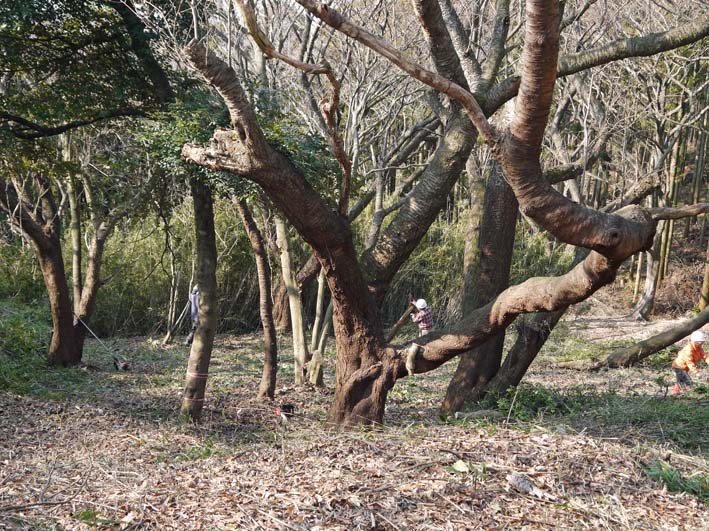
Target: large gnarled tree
(367,367)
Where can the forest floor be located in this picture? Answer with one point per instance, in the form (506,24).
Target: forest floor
(96,449)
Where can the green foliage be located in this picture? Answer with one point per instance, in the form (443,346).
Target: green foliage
(432,272)
(309,152)
(683,422)
(536,255)
(198,451)
(70,60)
(20,277)
(531,402)
(134,301)
(191,119)
(25,332)
(696,484)
(24,336)
(93,518)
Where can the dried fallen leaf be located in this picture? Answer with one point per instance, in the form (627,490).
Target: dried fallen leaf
(523,483)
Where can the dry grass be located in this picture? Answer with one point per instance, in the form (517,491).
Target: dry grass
(108,455)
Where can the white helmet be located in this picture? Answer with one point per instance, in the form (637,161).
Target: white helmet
(697,337)
(421,304)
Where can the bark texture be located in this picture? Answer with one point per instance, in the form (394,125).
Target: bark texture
(267,387)
(497,235)
(201,350)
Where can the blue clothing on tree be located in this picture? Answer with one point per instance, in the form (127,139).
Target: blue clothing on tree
(194,303)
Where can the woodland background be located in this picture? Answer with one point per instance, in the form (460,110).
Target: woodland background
(97,102)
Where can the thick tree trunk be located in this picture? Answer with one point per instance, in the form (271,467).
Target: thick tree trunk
(267,388)
(201,352)
(497,234)
(63,350)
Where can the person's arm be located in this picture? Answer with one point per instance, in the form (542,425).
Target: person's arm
(416,318)
(692,366)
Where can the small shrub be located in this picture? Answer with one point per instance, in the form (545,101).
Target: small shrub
(696,484)
(528,402)
(24,333)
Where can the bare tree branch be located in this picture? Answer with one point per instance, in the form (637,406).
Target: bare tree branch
(329,108)
(331,17)
(679,212)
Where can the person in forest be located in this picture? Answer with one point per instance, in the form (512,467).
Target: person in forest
(194,314)
(424,317)
(686,361)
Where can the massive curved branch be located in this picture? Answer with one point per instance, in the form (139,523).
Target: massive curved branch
(244,151)
(533,295)
(539,58)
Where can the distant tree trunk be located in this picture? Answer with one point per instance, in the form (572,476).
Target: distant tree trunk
(644,306)
(704,295)
(497,234)
(281,311)
(673,173)
(92,278)
(315,369)
(201,352)
(319,311)
(75,231)
(320,324)
(638,275)
(471,251)
(267,388)
(699,165)
(300,351)
(172,318)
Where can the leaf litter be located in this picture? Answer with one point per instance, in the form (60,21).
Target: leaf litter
(111,456)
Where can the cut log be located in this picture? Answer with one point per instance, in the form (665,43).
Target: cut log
(627,357)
